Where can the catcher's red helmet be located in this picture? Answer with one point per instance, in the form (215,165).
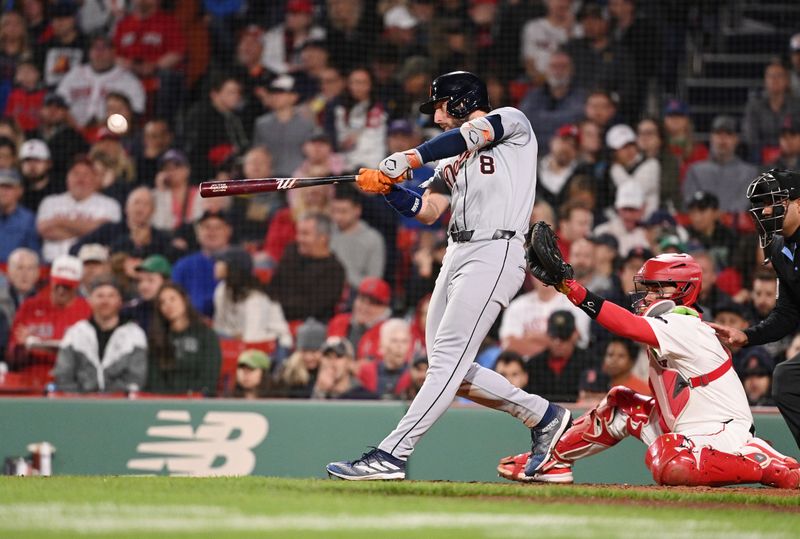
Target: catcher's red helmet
(678,270)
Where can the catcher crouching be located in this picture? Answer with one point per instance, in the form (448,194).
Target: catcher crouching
(698,427)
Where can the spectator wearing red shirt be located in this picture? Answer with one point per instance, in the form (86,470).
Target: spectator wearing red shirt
(150,43)
(41,321)
(363,325)
(390,377)
(27,97)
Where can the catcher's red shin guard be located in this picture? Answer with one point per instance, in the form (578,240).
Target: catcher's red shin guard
(620,413)
(673,460)
(777,470)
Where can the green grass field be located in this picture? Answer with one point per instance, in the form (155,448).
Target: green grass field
(164,507)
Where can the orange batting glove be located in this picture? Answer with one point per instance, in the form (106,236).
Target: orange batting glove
(373,181)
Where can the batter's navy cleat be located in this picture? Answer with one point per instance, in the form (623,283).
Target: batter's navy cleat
(373,465)
(544,437)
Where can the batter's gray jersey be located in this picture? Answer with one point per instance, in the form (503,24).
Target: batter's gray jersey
(494,187)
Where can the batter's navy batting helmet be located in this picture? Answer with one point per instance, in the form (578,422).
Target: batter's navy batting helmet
(464,93)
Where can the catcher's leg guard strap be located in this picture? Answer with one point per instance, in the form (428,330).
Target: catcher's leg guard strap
(674,460)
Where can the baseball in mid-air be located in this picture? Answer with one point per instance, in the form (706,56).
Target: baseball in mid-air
(117,124)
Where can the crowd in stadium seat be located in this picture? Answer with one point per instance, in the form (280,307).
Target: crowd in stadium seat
(323,292)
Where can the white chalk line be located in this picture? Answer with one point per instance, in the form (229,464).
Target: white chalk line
(103,518)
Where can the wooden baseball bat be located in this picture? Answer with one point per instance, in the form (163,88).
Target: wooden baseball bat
(250,186)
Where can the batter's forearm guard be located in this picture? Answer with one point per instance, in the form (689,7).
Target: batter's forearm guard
(404,201)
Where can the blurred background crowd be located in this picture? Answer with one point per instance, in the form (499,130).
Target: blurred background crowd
(652,117)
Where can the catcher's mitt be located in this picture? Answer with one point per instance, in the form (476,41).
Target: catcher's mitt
(544,257)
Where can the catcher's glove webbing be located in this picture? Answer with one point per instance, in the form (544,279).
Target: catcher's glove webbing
(544,257)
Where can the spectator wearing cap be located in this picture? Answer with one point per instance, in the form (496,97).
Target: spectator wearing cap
(389,377)
(630,165)
(399,26)
(511,366)
(95,259)
(557,167)
(789,143)
(601,62)
(64,47)
(764,113)
(543,36)
(85,86)
(149,42)
(794,58)
(362,326)
(360,122)
(283,130)
(319,157)
(555,373)
(619,361)
(523,328)
(195,271)
(284,41)
(625,224)
(651,140)
(17,223)
(680,136)
(724,174)
(177,201)
(40,322)
(336,379)
(359,247)
(151,274)
(103,353)
(135,234)
(556,102)
(298,374)
(184,353)
(253,377)
(706,229)
(62,219)
(241,308)
(756,374)
(63,141)
(214,131)
(27,97)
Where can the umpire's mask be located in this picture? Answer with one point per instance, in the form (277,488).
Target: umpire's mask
(772,190)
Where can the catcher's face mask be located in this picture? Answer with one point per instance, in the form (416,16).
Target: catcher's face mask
(768,201)
(648,293)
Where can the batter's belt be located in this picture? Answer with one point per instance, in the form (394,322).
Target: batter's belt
(464,236)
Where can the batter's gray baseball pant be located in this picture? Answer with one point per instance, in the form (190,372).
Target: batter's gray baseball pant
(476,282)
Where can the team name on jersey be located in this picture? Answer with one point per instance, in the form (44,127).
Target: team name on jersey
(450,170)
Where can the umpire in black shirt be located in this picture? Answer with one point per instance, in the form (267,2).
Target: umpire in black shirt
(775,205)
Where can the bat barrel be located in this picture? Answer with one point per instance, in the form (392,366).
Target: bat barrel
(252,186)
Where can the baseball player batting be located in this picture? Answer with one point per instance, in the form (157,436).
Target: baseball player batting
(487,176)
(698,426)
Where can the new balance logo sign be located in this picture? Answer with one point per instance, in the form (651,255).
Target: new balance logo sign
(286,183)
(221,445)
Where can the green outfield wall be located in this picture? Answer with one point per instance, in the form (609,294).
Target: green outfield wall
(286,438)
